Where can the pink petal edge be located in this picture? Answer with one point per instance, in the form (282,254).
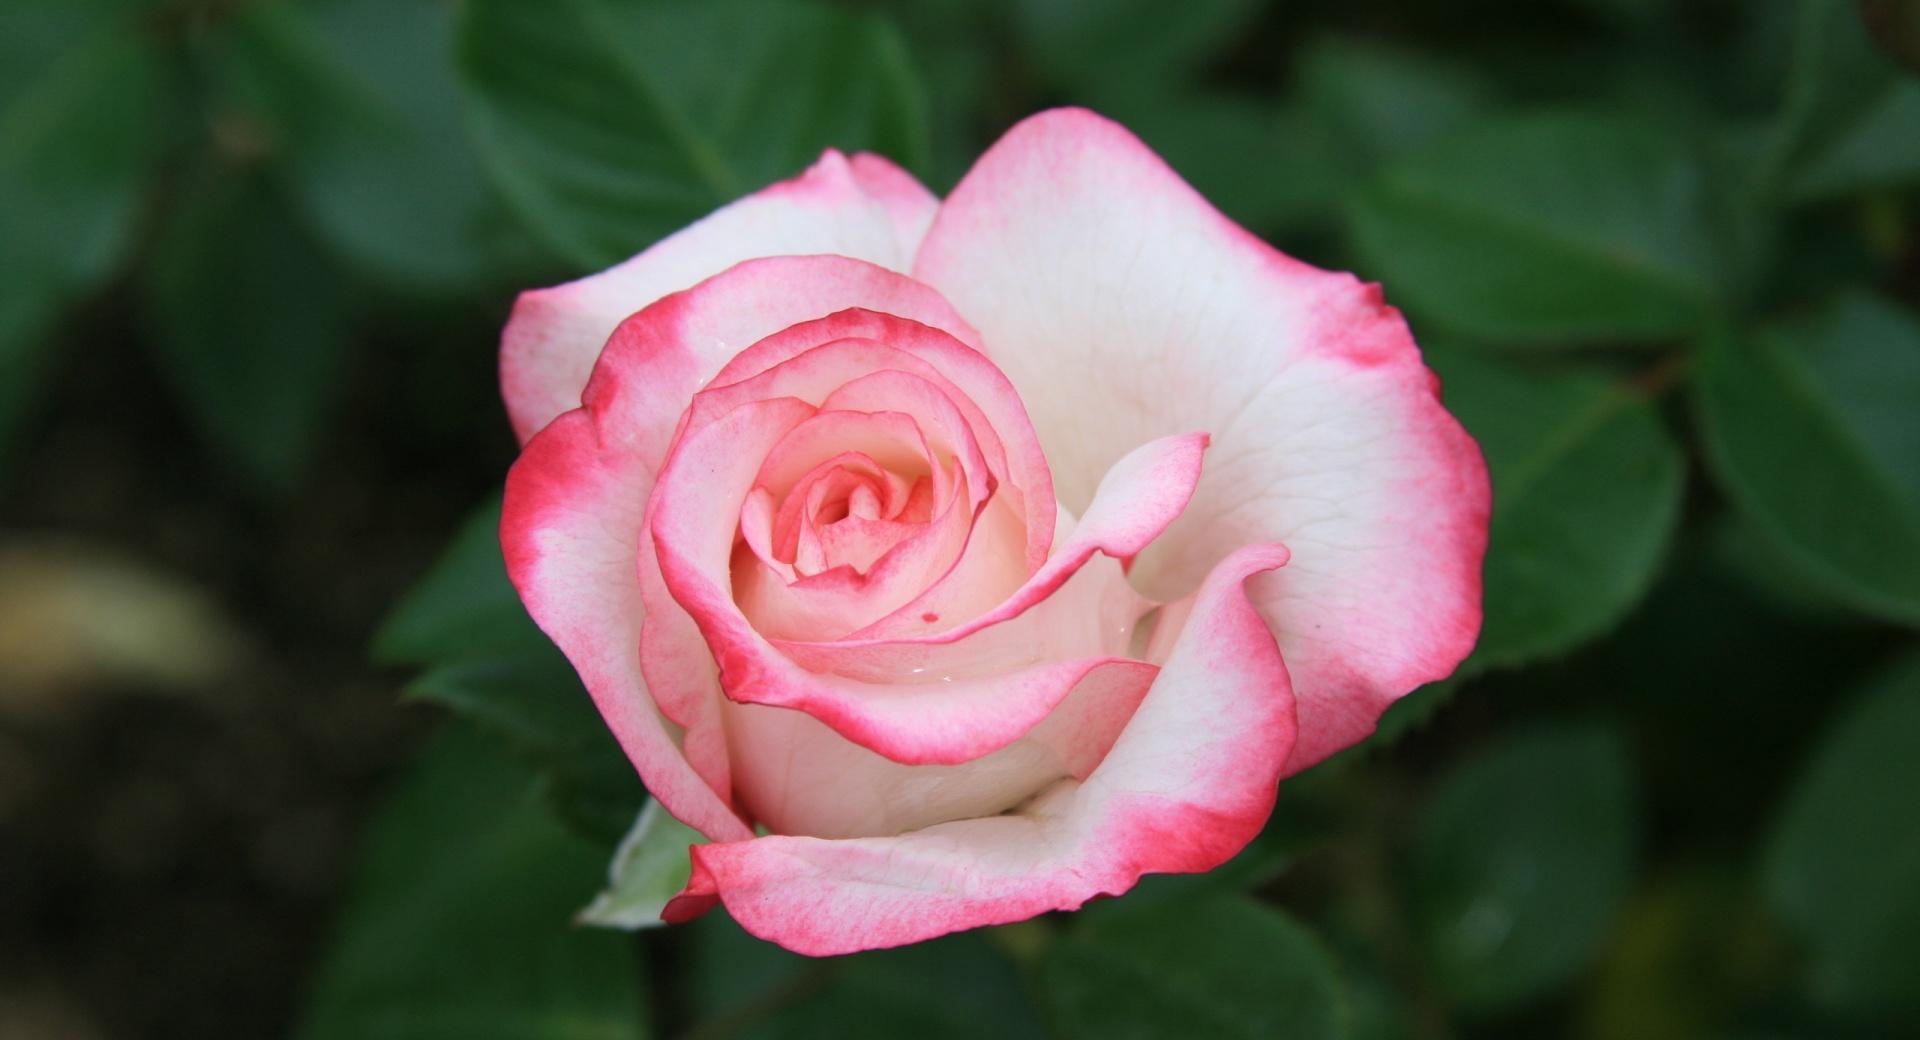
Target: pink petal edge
(1190,781)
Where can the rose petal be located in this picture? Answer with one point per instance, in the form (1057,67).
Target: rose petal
(1124,306)
(867,208)
(841,600)
(570,530)
(1189,782)
(803,360)
(652,366)
(1142,493)
(945,717)
(797,776)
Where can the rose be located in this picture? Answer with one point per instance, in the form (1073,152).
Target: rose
(839,499)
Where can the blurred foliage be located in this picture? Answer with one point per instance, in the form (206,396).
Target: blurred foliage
(454,927)
(1662,252)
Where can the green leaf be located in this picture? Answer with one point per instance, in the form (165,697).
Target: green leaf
(1130,45)
(26,321)
(1379,103)
(1880,148)
(491,665)
(1810,426)
(80,104)
(609,123)
(359,108)
(533,699)
(1215,967)
(1895,28)
(1521,863)
(536,703)
(1265,165)
(1415,710)
(250,322)
(955,986)
(456,925)
(1844,853)
(464,607)
(1571,227)
(1851,119)
(1586,496)
(649,868)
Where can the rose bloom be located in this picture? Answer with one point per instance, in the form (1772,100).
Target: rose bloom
(946,563)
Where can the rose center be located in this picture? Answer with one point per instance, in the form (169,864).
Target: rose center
(844,490)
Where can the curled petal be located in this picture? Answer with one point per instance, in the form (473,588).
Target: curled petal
(1141,495)
(1190,781)
(811,357)
(924,715)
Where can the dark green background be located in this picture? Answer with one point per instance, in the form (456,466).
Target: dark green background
(254,255)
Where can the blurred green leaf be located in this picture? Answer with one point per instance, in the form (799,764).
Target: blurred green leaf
(26,320)
(251,324)
(80,106)
(1810,425)
(1881,147)
(533,699)
(1692,950)
(1628,12)
(1521,862)
(1586,497)
(1851,119)
(536,703)
(1380,102)
(490,664)
(1414,710)
(1125,45)
(1894,26)
(457,924)
(649,868)
(1844,852)
(609,123)
(1220,966)
(358,104)
(955,986)
(953,50)
(1562,226)
(1265,165)
(464,607)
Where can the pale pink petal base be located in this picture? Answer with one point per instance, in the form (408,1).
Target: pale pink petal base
(937,707)
(1190,781)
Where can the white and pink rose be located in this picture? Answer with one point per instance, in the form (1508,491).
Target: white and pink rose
(986,553)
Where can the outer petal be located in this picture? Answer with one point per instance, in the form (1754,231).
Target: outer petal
(1123,306)
(658,359)
(1189,783)
(575,500)
(868,209)
(570,531)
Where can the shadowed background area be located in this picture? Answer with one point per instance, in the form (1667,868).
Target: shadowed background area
(281,755)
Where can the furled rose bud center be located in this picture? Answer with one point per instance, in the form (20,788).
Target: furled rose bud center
(882,479)
(848,511)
